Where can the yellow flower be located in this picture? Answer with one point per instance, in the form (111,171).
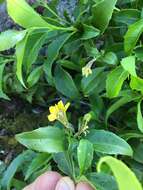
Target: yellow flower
(58,112)
(86,71)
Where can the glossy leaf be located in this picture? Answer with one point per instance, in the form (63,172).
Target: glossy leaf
(20,48)
(139,53)
(89,32)
(128,63)
(34,76)
(27,50)
(24,15)
(64,163)
(129,135)
(53,52)
(128,97)
(2,94)
(108,143)
(46,139)
(109,58)
(138,153)
(132,36)
(13,167)
(69,65)
(85,155)
(36,39)
(105,16)
(10,38)
(88,84)
(136,83)
(127,16)
(115,81)
(40,160)
(139,117)
(102,181)
(65,84)
(125,178)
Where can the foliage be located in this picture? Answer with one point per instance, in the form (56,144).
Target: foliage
(93,60)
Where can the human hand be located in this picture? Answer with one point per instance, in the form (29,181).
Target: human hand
(54,181)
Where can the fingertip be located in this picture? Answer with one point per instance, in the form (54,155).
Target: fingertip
(83,186)
(65,183)
(46,181)
(29,187)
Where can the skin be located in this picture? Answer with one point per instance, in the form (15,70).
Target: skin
(54,181)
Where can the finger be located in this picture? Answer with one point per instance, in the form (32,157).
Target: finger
(47,181)
(29,187)
(65,183)
(83,186)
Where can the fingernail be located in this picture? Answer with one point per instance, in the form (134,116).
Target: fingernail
(65,183)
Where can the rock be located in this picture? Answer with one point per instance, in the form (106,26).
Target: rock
(68,6)
(5,21)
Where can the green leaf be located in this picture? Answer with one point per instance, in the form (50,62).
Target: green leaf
(36,39)
(13,167)
(53,52)
(115,81)
(89,32)
(40,160)
(46,139)
(102,181)
(109,58)
(88,84)
(139,117)
(105,16)
(24,15)
(64,163)
(20,48)
(10,38)
(127,16)
(128,63)
(138,153)
(85,155)
(130,135)
(139,53)
(65,84)
(2,94)
(136,83)
(128,97)
(34,76)
(109,143)
(132,36)
(69,65)
(27,50)
(125,178)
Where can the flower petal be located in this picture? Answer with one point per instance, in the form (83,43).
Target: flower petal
(52,109)
(61,106)
(67,106)
(52,117)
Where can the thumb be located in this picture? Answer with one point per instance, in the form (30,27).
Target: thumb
(65,183)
